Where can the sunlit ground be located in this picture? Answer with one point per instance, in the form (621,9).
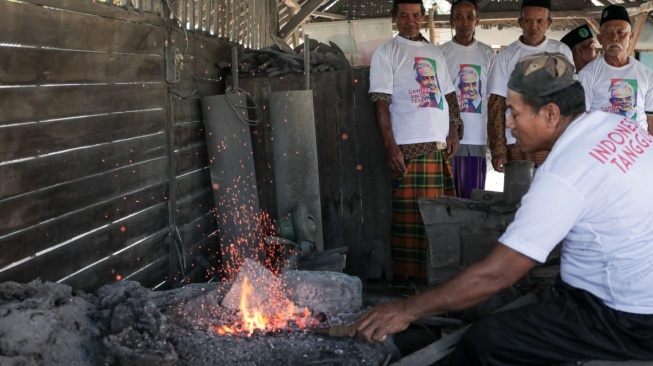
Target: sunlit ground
(493,179)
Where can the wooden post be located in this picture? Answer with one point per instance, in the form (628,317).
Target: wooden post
(637,30)
(432,30)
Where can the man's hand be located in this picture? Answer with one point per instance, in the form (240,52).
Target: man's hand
(395,158)
(381,320)
(453,142)
(498,162)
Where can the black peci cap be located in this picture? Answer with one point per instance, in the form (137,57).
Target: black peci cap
(537,3)
(408,2)
(614,12)
(456,2)
(577,36)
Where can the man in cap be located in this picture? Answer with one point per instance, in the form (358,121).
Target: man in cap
(469,62)
(615,82)
(420,130)
(535,20)
(581,43)
(584,195)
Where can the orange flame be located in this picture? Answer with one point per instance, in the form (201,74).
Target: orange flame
(253,319)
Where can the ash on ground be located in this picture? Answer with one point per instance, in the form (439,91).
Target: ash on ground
(126,324)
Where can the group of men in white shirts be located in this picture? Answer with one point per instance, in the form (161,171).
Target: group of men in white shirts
(434,103)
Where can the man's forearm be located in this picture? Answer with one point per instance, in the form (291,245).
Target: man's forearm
(382,113)
(500,270)
(496,125)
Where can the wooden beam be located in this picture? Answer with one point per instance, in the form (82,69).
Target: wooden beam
(590,12)
(307,9)
(339,4)
(330,15)
(483,5)
(592,23)
(637,30)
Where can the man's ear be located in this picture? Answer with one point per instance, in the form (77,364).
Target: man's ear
(552,114)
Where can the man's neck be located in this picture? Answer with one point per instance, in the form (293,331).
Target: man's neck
(417,38)
(463,41)
(531,42)
(616,61)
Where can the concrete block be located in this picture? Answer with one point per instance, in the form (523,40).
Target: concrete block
(324,291)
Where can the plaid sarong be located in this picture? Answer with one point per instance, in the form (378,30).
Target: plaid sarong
(428,176)
(468,174)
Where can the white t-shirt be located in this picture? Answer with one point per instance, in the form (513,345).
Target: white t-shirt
(593,194)
(419,111)
(468,69)
(626,90)
(505,63)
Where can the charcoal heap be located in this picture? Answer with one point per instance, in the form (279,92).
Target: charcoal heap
(280,59)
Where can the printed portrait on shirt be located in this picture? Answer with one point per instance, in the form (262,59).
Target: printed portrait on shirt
(429,94)
(622,95)
(468,82)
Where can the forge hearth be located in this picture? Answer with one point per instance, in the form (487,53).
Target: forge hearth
(126,324)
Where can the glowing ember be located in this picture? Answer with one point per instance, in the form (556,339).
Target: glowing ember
(280,315)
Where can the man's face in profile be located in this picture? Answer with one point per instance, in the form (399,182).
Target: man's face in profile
(426,79)
(622,98)
(469,85)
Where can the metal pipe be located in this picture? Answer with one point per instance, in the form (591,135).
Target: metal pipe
(234,67)
(307,64)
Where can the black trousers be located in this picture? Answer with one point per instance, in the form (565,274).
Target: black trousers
(573,325)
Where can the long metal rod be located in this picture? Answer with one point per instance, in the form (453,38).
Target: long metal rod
(234,67)
(307,64)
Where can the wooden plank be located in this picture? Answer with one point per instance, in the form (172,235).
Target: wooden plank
(328,151)
(34,174)
(122,264)
(376,190)
(191,158)
(186,110)
(33,139)
(32,25)
(309,7)
(32,104)
(29,209)
(189,134)
(91,248)
(152,274)
(29,66)
(106,10)
(349,173)
(188,184)
(28,242)
(195,205)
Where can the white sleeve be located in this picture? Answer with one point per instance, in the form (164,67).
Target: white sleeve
(498,78)
(381,75)
(586,81)
(446,82)
(548,212)
(648,108)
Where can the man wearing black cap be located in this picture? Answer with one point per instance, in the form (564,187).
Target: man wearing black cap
(581,43)
(420,131)
(535,20)
(469,61)
(616,82)
(584,196)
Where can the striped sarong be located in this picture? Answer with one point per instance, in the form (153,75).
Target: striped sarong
(428,176)
(469,174)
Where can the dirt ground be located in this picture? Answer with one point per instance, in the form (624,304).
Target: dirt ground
(126,324)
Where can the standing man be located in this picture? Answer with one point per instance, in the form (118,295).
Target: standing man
(534,21)
(584,195)
(419,131)
(469,62)
(581,43)
(616,82)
